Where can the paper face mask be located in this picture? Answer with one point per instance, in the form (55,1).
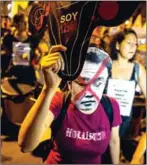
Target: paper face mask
(71,25)
(89,98)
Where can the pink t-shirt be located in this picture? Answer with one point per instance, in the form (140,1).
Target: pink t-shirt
(82,138)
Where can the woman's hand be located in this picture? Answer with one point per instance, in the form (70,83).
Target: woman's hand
(51,64)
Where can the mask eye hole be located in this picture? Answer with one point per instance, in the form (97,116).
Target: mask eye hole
(99,82)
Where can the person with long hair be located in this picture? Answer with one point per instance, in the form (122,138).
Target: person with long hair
(123,49)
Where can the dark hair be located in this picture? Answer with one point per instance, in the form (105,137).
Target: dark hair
(18,18)
(96,55)
(6,17)
(118,38)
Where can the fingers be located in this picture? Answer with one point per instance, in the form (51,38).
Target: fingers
(54,59)
(52,56)
(57,66)
(48,62)
(57,48)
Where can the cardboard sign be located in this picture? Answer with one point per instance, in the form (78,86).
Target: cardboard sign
(123,91)
(21,53)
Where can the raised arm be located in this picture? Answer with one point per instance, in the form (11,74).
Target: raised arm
(39,117)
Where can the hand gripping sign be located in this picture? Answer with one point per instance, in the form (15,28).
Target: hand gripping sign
(71,24)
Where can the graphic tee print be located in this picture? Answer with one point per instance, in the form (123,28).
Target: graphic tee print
(82,138)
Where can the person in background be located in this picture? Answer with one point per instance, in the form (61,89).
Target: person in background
(5,25)
(19,46)
(105,43)
(5,30)
(123,49)
(95,38)
(85,132)
(20,34)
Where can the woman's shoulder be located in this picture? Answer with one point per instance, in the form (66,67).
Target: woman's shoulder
(138,64)
(9,37)
(139,68)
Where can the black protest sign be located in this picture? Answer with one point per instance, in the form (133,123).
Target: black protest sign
(71,24)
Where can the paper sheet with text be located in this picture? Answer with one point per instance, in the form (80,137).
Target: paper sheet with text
(123,91)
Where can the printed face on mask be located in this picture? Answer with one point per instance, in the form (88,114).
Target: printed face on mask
(89,86)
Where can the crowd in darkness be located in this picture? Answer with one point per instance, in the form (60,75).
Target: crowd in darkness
(22,53)
(12,31)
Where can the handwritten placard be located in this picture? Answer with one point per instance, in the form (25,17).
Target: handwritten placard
(21,53)
(123,91)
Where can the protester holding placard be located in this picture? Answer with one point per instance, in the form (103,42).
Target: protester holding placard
(125,73)
(86,129)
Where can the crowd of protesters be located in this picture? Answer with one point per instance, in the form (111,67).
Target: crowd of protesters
(22,53)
